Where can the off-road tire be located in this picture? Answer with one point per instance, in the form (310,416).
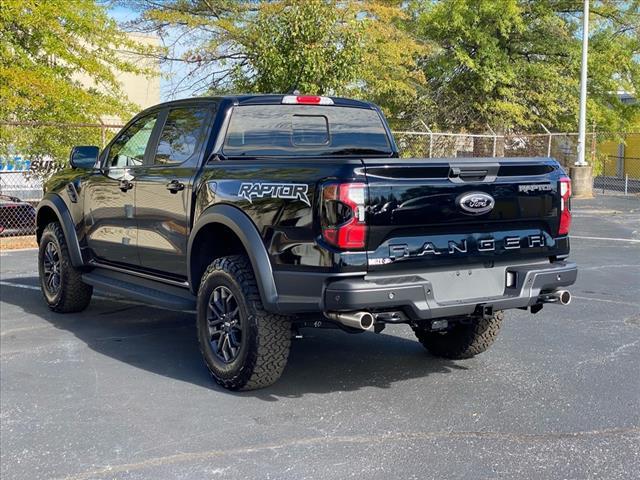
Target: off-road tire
(266,337)
(464,340)
(73,295)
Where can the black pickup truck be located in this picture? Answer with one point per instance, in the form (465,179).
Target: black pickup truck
(267,213)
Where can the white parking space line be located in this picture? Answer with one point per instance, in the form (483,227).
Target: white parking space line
(19,285)
(13,331)
(609,239)
(12,250)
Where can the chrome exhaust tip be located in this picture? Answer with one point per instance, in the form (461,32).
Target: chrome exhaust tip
(361,320)
(563,297)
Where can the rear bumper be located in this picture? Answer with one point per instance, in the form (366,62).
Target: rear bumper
(421,297)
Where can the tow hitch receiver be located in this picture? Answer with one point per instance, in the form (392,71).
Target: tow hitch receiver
(441,324)
(486,311)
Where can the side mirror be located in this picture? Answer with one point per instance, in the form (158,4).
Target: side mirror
(84,157)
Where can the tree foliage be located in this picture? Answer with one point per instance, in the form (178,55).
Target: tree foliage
(390,74)
(315,46)
(46,47)
(452,64)
(509,65)
(514,64)
(312,46)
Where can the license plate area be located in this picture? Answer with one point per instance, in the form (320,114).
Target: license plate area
(467,283)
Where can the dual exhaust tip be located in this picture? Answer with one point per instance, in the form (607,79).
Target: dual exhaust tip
(365,320)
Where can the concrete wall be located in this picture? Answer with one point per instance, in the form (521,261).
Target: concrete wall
(139,89)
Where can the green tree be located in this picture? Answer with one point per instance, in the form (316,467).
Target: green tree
(513,64)
(313,46)
(389,72)
(45,49)
(333,47)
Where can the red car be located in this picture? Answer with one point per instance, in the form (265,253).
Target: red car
(16,217)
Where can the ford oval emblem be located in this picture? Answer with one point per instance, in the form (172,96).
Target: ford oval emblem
(476,203)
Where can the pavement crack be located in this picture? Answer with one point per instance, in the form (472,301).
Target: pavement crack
(605,300)
(346,439)
(602,359)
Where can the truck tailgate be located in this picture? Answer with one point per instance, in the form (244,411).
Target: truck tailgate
(430,212)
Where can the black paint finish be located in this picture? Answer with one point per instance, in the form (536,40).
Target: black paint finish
(143,217)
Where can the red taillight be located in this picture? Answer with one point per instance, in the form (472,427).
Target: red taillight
(343,215)
(565,206)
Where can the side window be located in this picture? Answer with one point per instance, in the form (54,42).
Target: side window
(182,135)
(128,149)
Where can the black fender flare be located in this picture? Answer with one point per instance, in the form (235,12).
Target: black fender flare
(55,203)
(244,228)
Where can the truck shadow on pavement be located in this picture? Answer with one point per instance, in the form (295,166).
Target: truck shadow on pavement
(164,342)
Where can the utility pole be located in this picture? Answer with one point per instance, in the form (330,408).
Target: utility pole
(583,88)
(581,172)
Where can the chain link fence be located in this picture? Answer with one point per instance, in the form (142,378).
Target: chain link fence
(561,146)
(20,193)
(22,179)
(617,176)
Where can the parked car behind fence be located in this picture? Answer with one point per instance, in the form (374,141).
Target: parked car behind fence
(16,217)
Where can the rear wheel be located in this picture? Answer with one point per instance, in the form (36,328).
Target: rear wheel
(244,347)
(60,281)
(463,340)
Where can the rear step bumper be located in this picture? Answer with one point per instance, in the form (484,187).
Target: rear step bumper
(416,294)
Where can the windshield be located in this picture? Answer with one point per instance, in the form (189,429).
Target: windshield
(305,130)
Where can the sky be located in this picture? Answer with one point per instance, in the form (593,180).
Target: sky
(172,71)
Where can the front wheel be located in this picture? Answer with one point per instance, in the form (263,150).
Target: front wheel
(244,347)
(463,340)
(61,283)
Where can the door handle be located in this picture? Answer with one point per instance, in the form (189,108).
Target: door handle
(125,185)
(175,186)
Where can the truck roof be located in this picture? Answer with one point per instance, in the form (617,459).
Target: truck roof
(260,99)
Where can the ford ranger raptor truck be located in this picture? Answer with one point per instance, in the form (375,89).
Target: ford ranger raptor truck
(267,213)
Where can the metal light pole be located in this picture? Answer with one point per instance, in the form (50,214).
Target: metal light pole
(583,88)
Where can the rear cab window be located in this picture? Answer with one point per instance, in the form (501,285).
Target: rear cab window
(305,130)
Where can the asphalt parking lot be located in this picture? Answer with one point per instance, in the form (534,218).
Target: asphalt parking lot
(120,392)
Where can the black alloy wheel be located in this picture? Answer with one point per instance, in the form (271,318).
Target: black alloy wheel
(61,282)
(243,346)
(225,324)
(51,268)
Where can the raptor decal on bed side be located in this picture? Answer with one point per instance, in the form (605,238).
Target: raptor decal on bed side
(285,191)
